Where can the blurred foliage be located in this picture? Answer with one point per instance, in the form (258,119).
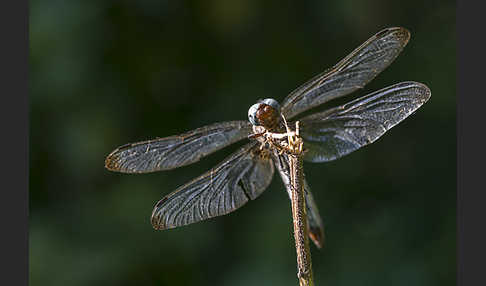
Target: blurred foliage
(105,73)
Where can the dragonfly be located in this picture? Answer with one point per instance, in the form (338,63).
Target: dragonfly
(247,172)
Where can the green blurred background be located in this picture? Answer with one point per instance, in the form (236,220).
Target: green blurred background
(106,73)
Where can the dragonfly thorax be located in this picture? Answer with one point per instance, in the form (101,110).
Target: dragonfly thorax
(265,113)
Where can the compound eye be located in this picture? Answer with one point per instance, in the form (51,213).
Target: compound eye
(273,103)
(252,114)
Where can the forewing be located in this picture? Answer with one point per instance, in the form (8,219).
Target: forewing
(351,73)
(339,131)
(176,151)
(314,222)
(239,178)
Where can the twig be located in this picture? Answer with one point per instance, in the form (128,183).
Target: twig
(299,214)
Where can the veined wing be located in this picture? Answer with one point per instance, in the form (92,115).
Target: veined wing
(316,228)
(239,178)
(351,73)
(339,131)
(176,151)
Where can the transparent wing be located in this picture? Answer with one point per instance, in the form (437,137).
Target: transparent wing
(176,151)
(351,73)
(339,131)
(316,227)
(239,178)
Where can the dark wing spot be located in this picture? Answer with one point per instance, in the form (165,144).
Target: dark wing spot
(244,188)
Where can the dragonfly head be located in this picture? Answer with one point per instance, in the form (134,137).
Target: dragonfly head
(265,113)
